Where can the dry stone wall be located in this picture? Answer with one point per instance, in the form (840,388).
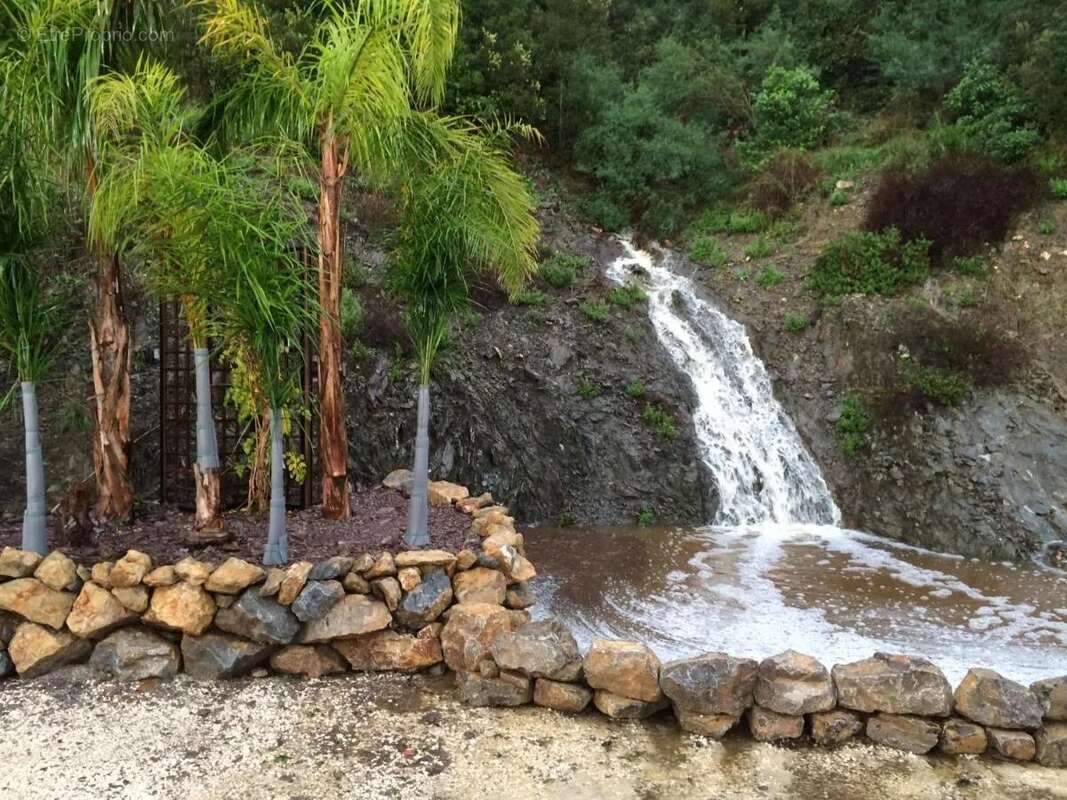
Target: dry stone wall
(431,610)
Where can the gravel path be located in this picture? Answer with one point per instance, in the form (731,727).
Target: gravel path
(367,737)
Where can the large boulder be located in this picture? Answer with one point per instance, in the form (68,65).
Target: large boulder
(617,706)
(444,493)
(234,576)
(220,655)
(566,697)
(423,604)
(134,654)
(97,612)
(316,598)
(400,480)
(506,690)
(831,728)
(770,726)
(963,737)
(32,600)
(311,661)
(911,734)
(181,607)
(390,651)
(36,650)
(18,563)
(894,684)
(470,632)
(259,619)
(793,683)
(627,669)
(543,649)
(57,572)
(1051,743)
(1012,745)
(1052,694)
(480,585)
(994,701)
(714,683)
(354,615)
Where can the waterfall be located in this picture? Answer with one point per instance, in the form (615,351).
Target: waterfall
(762,470)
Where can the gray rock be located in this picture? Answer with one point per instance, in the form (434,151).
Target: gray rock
(9,623)
(713,725)
(1052,745)
(911,734)
(423,604)
(134,655)
(714,683)
(1011,745)
(331,569)
(1052,694)
(6,667)
(521,595)
(894,684)
(543,649)
(618,707)
(569,698)
(259,619)
(994,701)
(831,728)
(792,683)
(317,598)
(770,726)
(960,736)
(476,690)
(219,655)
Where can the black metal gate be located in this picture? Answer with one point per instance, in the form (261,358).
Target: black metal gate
(177,402)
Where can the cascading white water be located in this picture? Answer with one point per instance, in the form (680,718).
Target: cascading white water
(763,472)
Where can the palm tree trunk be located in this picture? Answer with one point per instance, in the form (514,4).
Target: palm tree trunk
(277,551)
(33,522)
(206,469)
(418,512)
(333,436)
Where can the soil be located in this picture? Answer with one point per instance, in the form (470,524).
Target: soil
(378,521)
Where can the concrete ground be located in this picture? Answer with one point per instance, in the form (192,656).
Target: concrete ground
(386,736)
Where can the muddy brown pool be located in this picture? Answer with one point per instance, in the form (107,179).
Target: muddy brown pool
(840,595)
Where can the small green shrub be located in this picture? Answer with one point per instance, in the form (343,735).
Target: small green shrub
(660,420)
(589,391)
(560,271)
(1058,187)
(529,297)
(853,424)
(596,311)
(351,316)
(839,198)
(1046,228)
(646,517)
(942,386)
(705,250)
(627,296)
(961,296)
(969,265)
(870,263)
(304,188)
(795,323)
(770,276)
(730,220)
(635,388)
(760,248)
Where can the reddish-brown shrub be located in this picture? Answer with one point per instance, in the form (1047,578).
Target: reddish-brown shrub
(959,203)
(783,182)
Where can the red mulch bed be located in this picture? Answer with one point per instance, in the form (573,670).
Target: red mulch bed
(379,517)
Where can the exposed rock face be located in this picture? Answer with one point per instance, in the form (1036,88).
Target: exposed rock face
(893,684)
(423,604)
(480,585)
(714,683)
(311,661)
(1012,745)
(831,728)
(997,702)
(316,598)
(476,690)
(130,569)
(57,572)
(628,669)
(960,736)
(18,563)
(97,612)
(618,707)
(1051,745)
(134,655)
(389,650)
(792,683)
(470,632)
(36,650)
(912,734)
(566,697)
(1052,694)
(356,614)
(220,655)
(181,607)
(259,619)
(234,576)
(31,599)
(770,726)
(544,649)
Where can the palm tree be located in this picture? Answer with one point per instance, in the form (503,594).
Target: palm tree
(466,211)
(366,66)
(30,322)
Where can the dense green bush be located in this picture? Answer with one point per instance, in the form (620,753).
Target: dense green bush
(990,114)
(862,262)
(790,110)
(561,270)
(705,250)
(596,311)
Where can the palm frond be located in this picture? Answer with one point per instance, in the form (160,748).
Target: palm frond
(431,28)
